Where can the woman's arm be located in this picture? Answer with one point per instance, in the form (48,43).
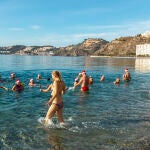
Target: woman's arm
(46,90)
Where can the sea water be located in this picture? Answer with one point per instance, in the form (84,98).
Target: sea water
(108,117)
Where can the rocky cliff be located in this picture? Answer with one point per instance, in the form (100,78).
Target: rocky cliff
(123,46)
(87,47)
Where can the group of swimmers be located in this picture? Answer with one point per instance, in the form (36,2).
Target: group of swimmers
(85,81)
(126,77)
(19,86)
(58,88)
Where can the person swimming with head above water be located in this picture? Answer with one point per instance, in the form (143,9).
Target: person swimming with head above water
(102,78)
(39,77)
(12,76)
(19,86)
(76,80)
(126,75)
(117,81)
(31,82)
(56,102)
(84,82)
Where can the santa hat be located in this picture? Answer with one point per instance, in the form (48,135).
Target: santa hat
(31,80)
(17,81)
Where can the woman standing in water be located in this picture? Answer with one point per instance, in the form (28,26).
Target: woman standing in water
(56,102)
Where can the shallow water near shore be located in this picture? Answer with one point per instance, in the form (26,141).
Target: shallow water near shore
(108,117)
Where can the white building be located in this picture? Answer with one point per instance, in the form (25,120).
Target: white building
(143,50)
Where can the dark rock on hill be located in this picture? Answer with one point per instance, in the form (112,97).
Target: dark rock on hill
(87,47)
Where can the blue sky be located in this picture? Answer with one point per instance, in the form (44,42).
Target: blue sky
(65,22)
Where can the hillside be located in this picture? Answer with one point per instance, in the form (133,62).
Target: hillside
(87,47)
(123,46)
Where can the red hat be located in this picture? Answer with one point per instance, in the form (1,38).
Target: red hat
(17,81)
(83,71)
(126,69)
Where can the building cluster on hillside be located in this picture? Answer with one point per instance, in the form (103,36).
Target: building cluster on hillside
(31,50)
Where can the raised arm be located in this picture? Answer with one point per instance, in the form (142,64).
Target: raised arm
(46,90)
(78,83)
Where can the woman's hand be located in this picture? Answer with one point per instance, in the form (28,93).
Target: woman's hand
(48,103)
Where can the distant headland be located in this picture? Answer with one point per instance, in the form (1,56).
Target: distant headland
(123,47)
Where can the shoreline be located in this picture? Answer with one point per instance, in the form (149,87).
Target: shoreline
(99,56)
(114,56)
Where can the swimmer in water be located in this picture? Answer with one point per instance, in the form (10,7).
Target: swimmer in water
(126,75)
(76,80)
(102,78)
(12,76)
(18,86)
(31,82)
(39,77)
(84,81)
(117,81)
(56,102)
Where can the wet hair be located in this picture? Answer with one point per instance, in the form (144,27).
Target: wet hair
(57,74)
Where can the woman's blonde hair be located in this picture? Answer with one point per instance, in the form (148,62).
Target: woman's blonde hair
(57,74)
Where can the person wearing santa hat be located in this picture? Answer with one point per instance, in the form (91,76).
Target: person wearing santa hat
(126,75)
(19,86)
(12,76)
(84,82)
(31,82)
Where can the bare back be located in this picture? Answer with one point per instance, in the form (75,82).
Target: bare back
(85,81)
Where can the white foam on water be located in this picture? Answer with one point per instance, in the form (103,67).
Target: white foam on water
(41,120)
(50,124)
(75,129)
(70,88)
(70,119)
